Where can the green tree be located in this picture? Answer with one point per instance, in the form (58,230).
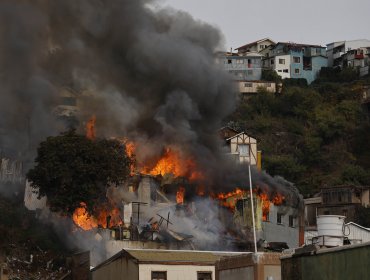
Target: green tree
(71,169)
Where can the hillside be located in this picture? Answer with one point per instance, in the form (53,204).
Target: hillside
(311,135)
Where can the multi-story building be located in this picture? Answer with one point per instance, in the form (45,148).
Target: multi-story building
(357,58)
(295,61)
(337,200)
(257,46)
(247,67)
(336,50)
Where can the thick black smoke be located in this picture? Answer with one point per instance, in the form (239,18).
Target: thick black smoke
(146,74)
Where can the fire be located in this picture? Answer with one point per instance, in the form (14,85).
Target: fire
(278,199)
(180,195)
(130,151)
(265,205)
(83,219)
(229,199)
(172,162)
(90,128)
(86,221)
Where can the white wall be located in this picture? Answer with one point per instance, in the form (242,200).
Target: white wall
(279,68)
(274,232)
(175,272)
(237,273)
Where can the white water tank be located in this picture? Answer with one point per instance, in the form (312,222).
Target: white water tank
(330,230)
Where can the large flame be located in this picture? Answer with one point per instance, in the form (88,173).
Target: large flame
(83,219)
(229,200)
(172,162)
(86,221)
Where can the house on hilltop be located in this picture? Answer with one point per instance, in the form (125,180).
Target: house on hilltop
(296,61)
(256,46)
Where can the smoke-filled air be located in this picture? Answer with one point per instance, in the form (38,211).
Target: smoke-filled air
(140,72)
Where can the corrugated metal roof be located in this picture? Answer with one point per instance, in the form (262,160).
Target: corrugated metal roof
(169,256)
(173,256)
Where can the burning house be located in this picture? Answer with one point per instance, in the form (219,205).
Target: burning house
(166,100)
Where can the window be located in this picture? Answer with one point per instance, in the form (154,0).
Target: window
(296,59)
(204,275)
(248,85)
(249,72)
(239,61)
(296,71)
(272,62)
(229,61)
(281,61)
(291,221)
(243,149)
(286,70)
(280,70)
(159,275)
(279,218)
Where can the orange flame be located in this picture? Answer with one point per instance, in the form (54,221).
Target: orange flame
(90,128)
(84,220)
(130,151)
(265,205)
(180,195)
(229,199)
(172,162)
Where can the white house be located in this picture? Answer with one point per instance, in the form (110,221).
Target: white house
(336,50)
(132,264)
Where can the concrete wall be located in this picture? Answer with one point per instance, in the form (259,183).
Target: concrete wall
(341,263)
(259,266)
(272,231)
(252,86)
(120,269)
(178,272)
(237,273)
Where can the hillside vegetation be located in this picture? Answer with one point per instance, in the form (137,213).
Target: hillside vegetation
(311,135)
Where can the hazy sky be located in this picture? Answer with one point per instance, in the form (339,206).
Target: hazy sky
(315,21)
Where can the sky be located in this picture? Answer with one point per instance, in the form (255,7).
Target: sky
(312,22)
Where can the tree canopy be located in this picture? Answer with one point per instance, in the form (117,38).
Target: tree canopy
(71,169)
(312,135)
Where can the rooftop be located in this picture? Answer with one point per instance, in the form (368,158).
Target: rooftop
(170,256)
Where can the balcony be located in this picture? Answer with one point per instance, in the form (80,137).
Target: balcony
(337,55)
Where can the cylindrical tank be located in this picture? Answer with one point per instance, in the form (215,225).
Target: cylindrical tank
(330,230)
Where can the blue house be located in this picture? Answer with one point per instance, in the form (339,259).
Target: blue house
(296,61)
